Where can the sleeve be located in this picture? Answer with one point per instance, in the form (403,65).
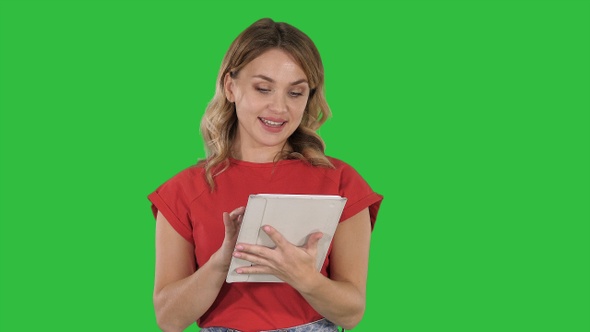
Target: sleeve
(359,195)
(173,199)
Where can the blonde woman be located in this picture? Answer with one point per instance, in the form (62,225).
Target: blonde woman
(260,134)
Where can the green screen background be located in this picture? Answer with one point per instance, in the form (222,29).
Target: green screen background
(470,117)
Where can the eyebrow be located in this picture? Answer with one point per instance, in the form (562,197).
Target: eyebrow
(266,78)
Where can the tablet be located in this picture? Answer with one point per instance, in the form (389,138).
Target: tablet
(295,217)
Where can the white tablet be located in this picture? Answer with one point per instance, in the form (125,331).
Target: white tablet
(295,217)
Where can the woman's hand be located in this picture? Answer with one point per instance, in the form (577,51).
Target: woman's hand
(292,264)
(183,293)
(232,222)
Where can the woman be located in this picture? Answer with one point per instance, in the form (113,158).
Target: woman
(260,134)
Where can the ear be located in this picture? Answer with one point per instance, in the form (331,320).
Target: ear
(228,86)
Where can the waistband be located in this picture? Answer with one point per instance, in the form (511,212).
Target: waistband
(322,325)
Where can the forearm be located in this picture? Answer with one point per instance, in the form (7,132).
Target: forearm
(181,294)
(181,303)
(338,301)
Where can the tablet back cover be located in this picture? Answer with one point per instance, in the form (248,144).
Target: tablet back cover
(295,217)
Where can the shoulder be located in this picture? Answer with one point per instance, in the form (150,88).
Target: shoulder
(189,183)
(193,174)
(342,168)
(339,164)
(358,192)
(345,174)
(340,173)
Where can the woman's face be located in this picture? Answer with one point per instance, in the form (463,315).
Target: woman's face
(270,94)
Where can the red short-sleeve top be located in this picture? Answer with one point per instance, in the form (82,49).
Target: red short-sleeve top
(195,212)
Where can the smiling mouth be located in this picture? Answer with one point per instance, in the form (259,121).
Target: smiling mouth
(273,124)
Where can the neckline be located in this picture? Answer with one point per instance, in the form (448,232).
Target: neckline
(262,165)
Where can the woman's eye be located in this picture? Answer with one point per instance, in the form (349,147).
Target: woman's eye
(263,90)
(295,94)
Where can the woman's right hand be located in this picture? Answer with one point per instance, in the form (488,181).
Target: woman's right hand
(183,292)
(232,222)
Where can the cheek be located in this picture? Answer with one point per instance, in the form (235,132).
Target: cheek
(248,102)
(298,108)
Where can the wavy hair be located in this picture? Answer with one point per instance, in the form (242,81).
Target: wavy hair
(219,123)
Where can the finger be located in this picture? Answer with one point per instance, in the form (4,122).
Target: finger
(254,259)
(275,236)
(231,226)
(237,213)
(260,251)
(255,269)
(234,218)
(313,240)
(226,220)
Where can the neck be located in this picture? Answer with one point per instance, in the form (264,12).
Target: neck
(258,154)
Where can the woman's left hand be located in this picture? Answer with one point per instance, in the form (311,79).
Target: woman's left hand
(292,264)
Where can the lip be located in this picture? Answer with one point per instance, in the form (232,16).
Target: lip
(270,124)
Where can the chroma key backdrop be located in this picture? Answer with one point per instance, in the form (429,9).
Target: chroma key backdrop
(470,117)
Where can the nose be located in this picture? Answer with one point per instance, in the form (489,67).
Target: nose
(278,103)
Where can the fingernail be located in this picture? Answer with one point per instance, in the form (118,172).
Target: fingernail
(266,228)
(239,247)
(236,254)
(238,271)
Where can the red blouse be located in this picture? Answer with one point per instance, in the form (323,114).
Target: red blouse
(195,212)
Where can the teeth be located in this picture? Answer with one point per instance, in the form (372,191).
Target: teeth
(271,123)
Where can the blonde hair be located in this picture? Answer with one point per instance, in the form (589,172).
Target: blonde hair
(219,123)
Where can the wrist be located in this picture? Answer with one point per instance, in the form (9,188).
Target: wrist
(310,283)
(218,264)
